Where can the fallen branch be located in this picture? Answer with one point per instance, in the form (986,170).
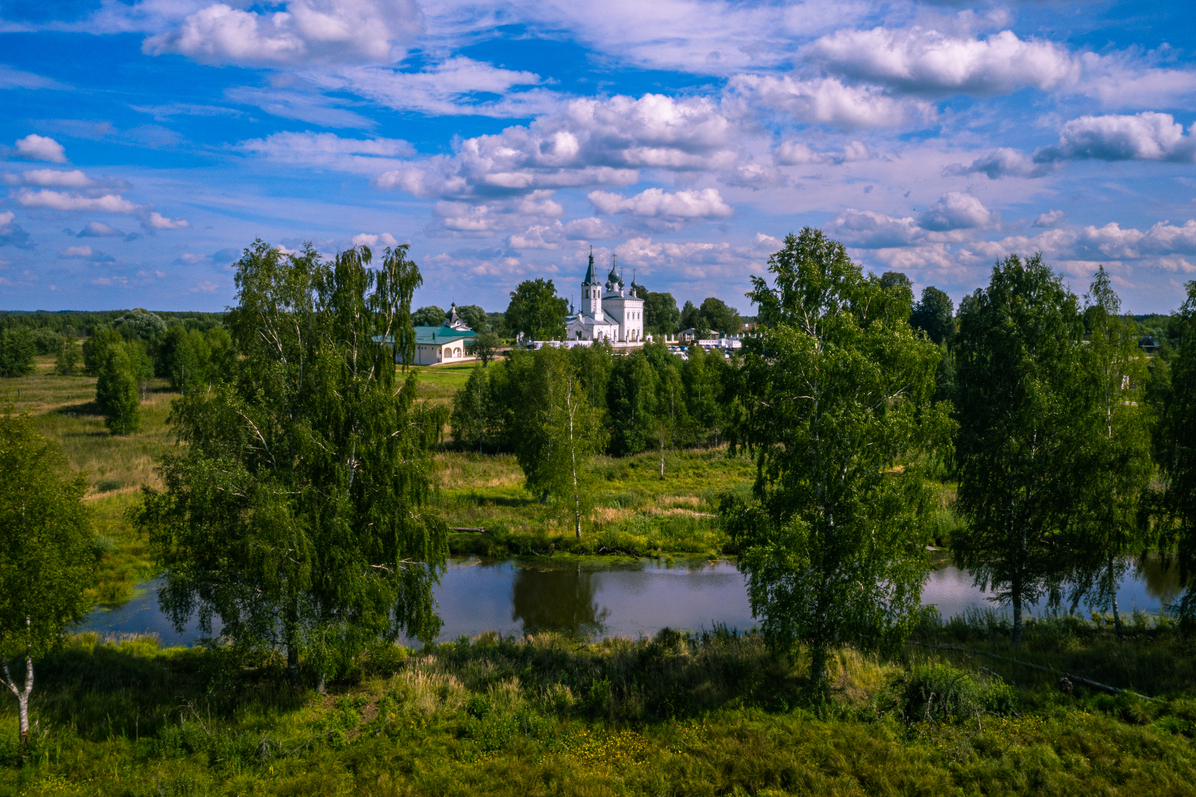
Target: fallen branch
(475,530)
(1076,678)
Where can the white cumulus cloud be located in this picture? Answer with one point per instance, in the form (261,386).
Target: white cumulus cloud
(1146,136)
(308,31)
(827,101)
(926,62)
(955,211)
(40,148)
(704,204)
(373,239)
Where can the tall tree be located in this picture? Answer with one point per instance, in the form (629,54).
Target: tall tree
(536,311)
(1021,412)
(901,286)
(1117,466)
(690,316)
(661,316)
(430,316)
(1175,451)
(669,417)
(16,353)
(46,551)
(932,314)
(717,316)
(68,356)
(631,404)
(292,509)
(700,376)
(484,346)
(95,348)
(558,429)
(470,410)
(475,318)
(117,389)
(836,405)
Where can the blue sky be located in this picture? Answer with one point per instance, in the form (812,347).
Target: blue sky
(144,144)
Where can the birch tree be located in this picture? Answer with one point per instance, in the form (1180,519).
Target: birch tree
(1175,451)
(835,406)
(1022,414)
(1117,466)
(294,511)
(46,553)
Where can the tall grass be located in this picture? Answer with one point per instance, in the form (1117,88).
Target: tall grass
(710,713)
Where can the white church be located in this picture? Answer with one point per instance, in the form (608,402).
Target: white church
(608,311)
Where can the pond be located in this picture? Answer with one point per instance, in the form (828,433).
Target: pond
(625,599)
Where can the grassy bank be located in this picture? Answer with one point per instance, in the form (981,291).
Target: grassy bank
(64,410)
(705,714)
(635,511)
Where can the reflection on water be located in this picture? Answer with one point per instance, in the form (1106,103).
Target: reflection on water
(1161,583)
(627,600)
(557,600)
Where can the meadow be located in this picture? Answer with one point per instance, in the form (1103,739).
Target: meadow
(955,711)
(703,714)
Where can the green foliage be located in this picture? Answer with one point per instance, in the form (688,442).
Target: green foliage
(193,360)
(95,348)
(631,404)
(835,392)
(484,346)
(941,693)
(293,508)
(557,431)
(470,407)
(430,316)
(475,318)
(46,548)
(1106,533)
(46,341)
(1023,416)
(716,315)
(117,389)
(933,315)
(140,325)
(16,353)
(1175,449)
(536,311)
(661,316)
(900,286)
(68,356)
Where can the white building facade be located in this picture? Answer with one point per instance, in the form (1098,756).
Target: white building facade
(608,311)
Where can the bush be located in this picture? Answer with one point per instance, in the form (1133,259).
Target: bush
(117,391)
(943,694)
(16,353)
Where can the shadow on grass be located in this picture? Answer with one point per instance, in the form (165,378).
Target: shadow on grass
(84,409)
(132,688)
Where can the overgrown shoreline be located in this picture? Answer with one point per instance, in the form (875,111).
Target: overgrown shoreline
(710,713)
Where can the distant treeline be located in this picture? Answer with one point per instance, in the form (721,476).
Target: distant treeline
(649,399)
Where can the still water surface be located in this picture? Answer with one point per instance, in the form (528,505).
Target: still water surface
(519,597)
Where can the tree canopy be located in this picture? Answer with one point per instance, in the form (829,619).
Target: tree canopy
(933,315)
(1022,413)
(835,394)
(536,310)
(47,551)
(661,316)
(430,316)
(292,510)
